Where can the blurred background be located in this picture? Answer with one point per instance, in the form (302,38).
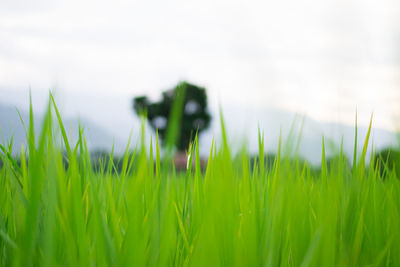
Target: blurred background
(305,65)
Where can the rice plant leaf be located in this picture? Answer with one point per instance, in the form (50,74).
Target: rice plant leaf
(61,125)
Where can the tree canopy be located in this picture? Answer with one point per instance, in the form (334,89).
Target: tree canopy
(195,117)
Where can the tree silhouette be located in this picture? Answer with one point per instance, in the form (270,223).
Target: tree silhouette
(194,114)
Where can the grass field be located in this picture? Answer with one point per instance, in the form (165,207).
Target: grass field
(233,213)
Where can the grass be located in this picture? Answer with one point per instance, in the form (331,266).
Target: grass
(230,214)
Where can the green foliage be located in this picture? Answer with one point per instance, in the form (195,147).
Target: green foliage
(388,160)
(182,109)
(234,214)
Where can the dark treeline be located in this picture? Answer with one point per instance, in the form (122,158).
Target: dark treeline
(385,161)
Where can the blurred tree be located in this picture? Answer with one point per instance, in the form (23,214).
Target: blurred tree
(388,160)
(194,114)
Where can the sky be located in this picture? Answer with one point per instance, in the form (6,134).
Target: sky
(322,58)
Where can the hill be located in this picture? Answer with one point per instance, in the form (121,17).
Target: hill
(11,126)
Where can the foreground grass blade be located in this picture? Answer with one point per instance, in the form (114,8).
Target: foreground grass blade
(235,209)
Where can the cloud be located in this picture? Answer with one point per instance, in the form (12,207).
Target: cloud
(300,55)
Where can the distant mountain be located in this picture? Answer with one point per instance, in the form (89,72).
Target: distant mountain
(111,115)
(11,126)
(242,124)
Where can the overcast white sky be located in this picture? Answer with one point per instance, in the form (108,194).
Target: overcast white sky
(323,58)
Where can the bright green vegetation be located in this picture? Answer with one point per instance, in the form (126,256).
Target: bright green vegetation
(231,214)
